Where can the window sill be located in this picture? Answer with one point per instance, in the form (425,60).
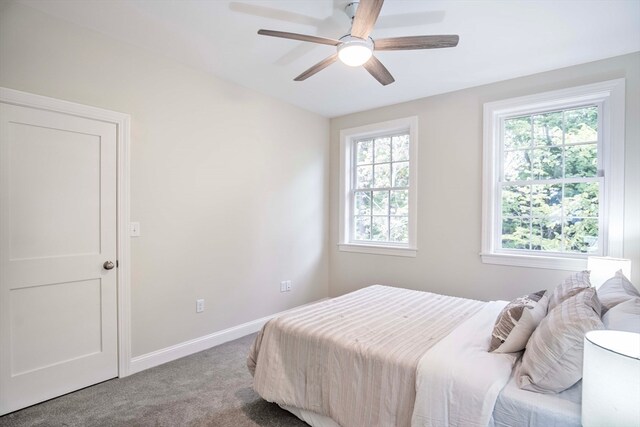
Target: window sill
(532,261)
(378,249)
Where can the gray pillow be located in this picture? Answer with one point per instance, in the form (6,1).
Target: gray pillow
(571,286)
(616,290)
(624,316)
(552,361)
(517,321)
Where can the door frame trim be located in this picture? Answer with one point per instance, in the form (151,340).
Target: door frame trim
(123,125)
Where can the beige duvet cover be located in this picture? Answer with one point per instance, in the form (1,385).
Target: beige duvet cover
(354,358)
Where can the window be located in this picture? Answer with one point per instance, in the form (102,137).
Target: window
(378,181)
(553,177)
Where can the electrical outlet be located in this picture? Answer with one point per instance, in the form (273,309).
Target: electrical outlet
(199,305)
(285,286)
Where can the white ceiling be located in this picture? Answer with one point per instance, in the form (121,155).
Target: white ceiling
(498,40)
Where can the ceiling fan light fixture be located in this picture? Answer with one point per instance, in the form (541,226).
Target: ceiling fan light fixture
(355,51)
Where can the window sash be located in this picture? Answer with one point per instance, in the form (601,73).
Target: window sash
(498,234)
(531,218)
(609,97)
(402,126)
(354,190)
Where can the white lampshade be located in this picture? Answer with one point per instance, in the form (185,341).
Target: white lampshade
(604,268)
(611,379)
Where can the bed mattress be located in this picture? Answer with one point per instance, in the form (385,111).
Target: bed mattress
(430,349)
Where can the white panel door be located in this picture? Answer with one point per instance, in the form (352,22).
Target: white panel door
(58,308)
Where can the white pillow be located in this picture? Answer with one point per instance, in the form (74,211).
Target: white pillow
(552,361)
(517,321)
(571,286)
(616,290)
(624,316)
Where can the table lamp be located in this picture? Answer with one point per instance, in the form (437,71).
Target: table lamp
(603,268)
(611,379)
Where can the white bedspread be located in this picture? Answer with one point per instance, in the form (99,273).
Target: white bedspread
(354,358)
(458,381)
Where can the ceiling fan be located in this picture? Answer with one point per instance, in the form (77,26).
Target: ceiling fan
(356,48)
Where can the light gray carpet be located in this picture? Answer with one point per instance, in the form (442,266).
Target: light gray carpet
(210,388)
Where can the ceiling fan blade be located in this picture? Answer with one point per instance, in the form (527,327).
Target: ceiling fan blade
(414,19)
(378,71)
(417,42)
(366,16)
(318,67)
(301,37)
(271,13)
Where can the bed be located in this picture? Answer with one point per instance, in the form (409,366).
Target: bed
(385,356)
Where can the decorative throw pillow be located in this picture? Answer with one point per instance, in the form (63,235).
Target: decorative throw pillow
(616,290)
(517,321)
(571,286)
(552,361)
(624,316)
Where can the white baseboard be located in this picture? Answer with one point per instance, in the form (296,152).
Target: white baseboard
(164,355)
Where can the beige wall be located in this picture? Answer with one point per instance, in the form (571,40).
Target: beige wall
(230,186)
(450,185)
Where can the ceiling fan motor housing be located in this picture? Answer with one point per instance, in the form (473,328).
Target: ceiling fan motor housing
(351,8)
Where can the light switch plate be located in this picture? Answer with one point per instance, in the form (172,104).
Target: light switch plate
(134,229)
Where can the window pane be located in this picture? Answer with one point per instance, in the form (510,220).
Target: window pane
(364,152)
(399,202)
(362,228)
(363,203)
(546,201)
(401,174)
(547,129)
(364,176)
(517,165)
(516,200)
(381,203)
(400,146)
(547,235)
(517,132)
(581,125)
(581,160)
(547,163)
(399,229)
(382,150)
(515,233)
(581,199)
(382,175)
(581,235)
(380,228)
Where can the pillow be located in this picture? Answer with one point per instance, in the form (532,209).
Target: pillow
(616,290)
(571,286)
(624,316)
(552,361)
(517,321)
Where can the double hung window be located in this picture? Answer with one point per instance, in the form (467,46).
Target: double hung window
(378,179)
(553,177)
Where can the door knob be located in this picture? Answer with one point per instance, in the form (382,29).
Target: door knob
(108,265)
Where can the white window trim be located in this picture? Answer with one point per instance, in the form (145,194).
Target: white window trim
(347,137)
(611,95)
